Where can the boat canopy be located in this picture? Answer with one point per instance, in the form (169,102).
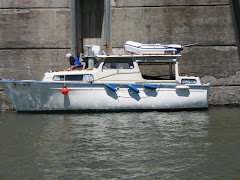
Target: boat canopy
(142,58)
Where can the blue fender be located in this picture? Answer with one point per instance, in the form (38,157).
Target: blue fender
(111,87)
(133,88)
(150,86)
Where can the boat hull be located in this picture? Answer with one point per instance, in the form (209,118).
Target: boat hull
(47,96)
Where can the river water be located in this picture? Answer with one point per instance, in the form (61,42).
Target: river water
(202,144)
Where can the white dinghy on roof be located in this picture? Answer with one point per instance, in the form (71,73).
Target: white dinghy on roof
(140,48)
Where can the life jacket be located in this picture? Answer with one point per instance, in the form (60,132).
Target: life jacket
(76,63)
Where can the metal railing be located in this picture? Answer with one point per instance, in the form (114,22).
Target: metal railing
(16,68)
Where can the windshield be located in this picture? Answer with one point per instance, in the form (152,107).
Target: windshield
(118,63)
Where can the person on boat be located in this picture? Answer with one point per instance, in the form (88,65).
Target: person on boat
(73,61)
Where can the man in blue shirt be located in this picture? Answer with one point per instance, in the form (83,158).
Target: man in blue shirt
(73,61)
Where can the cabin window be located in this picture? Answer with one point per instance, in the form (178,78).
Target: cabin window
(97,64)
(188,81)
(58,78)
(158,71)
(84,77)
(73,77)
(118,63)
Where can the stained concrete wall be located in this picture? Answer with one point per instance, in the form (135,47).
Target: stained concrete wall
(33,33)
(34,4)
(38,33)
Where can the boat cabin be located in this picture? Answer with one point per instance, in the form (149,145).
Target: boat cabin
(129,68)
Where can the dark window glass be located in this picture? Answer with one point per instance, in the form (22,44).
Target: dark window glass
(157,71)
(118,63)
(73,77)
(85,77)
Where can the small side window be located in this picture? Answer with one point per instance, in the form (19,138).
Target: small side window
(88,77)
(58,78)
(188,81)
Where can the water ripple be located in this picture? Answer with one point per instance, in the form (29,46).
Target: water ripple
(148,145)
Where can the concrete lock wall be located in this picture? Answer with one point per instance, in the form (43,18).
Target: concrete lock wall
(38,34)
(33,33)
(206,22)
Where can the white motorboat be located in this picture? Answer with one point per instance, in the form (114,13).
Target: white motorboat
(115,83)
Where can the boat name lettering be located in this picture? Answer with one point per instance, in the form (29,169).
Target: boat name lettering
(24,84)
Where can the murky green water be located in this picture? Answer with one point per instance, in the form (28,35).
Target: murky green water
(127,145)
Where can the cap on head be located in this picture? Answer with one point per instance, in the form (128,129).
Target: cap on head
(68,55)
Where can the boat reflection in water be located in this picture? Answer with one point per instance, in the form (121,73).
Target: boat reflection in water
(127,144)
